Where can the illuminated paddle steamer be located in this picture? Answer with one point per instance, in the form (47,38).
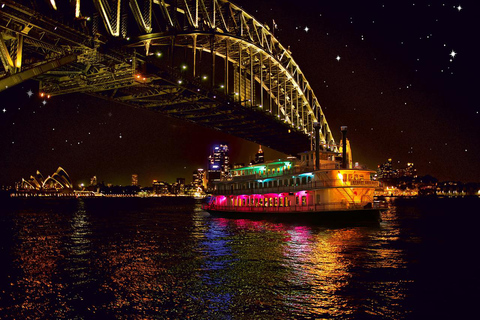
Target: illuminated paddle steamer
(320,184)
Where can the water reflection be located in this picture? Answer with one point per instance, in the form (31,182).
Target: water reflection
(141,261)
(313,270)
(34,290)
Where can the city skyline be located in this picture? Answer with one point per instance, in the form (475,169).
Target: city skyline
(403,89)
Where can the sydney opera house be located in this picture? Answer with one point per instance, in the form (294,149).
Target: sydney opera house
(57,182)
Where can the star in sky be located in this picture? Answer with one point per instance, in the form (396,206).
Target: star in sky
(338,58)
(30,93)
(459,8)
(4,110)
(44,102)
(306,29)
(453,54)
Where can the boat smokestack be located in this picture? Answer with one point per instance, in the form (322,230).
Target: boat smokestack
(316,126)
(344,146)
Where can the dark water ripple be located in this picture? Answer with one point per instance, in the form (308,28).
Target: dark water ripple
(159,259)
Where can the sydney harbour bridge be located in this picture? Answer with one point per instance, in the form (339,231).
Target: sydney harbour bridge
(205,61)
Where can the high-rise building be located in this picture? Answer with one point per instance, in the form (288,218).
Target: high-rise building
(134,179)
(386,171)
(410,170)
(179,186)
(259,156)
(219,163)
(198,179)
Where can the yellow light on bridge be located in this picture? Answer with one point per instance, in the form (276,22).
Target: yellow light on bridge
(54,5)
(77,9)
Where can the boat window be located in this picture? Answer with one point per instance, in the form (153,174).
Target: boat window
(318,198)
(276,202)
(350,177)
(355,177)
(280,183)
(271,202)
(304,200)
(297,200)
(281,202)
(361,177)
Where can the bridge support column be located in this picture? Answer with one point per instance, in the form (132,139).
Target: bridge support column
(194,55)
(252,80)
(261,79)
(316,126)
(226,66)
(212,46)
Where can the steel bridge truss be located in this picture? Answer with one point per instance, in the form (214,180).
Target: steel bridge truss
(205,61)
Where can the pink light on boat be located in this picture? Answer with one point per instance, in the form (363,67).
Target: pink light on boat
(221,200)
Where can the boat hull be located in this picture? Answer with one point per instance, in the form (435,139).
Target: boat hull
(344,216)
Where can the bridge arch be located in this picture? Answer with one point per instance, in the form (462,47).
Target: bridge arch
(261,80)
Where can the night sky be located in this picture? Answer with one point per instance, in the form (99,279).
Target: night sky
(401,75)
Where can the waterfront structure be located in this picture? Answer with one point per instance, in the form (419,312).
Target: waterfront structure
(58,181)
(93,181)
(318,185)
(219,163)
(160,187)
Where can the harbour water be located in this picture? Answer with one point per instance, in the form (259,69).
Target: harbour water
(159,259)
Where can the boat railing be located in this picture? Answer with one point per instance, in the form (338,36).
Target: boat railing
(295,208)
(297,187)
(362,183)
(293,170)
